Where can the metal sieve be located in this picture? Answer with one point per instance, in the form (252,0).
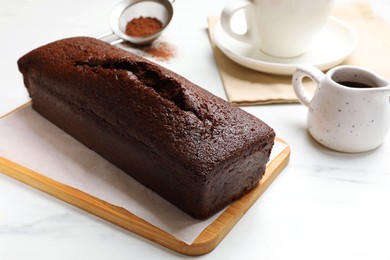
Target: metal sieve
(127,10)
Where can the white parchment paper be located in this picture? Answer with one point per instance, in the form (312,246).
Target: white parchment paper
(28,139)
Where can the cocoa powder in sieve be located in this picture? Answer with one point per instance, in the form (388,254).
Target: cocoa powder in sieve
(143,26)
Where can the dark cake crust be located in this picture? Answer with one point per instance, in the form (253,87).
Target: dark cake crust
(194,149)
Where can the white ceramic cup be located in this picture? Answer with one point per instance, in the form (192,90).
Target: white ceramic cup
(281,28)
(350,108)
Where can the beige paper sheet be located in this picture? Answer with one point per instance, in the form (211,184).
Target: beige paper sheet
(248,87)
(30,140)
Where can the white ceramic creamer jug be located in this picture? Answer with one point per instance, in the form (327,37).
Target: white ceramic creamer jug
(349,110)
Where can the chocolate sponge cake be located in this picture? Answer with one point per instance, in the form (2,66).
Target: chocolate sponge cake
(192,148)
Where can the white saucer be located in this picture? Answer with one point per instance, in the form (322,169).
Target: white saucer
(334,44)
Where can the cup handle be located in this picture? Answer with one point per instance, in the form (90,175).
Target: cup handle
(301,72)
(226,17)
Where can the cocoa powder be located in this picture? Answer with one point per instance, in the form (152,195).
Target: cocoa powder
(160,50)
(143,26)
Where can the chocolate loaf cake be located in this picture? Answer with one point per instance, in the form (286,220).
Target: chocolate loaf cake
(192,148)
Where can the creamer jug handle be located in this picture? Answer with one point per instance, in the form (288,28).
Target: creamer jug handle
(301,72)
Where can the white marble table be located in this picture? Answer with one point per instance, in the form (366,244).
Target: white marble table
(324,205)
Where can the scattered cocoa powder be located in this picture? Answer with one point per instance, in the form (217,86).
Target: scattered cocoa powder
(143,26)
(160,50)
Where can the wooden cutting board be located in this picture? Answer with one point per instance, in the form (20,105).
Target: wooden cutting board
(204,243)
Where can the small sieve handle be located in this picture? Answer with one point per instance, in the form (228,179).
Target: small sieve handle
(107,35)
